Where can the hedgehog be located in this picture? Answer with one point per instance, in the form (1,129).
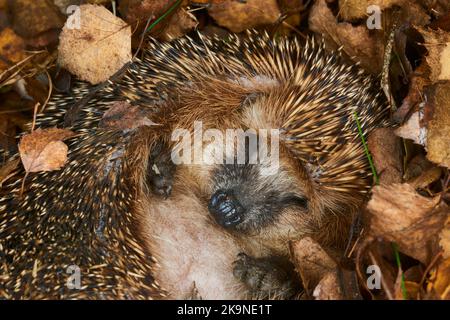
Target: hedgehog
(136,225)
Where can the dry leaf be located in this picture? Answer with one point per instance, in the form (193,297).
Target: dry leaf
(426,178)
(444,239)
(179,24)
(123,116)
(437,43)
(142,10)
(328,288)
(399,214)
(36,19)
(239,16)
(439,282)
(419,80)
(311,261)
(11,48)
(413,130)
(43,150)
(386,151)
(356,41)
(99,48)
(357,9)
(438,137)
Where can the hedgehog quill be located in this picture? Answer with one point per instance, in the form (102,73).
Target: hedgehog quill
(140,227)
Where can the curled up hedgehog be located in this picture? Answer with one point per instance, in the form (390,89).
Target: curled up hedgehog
(138,225)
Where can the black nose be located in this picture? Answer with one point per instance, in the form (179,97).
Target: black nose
(226,209)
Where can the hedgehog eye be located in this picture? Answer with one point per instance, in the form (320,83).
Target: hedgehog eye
(295,200)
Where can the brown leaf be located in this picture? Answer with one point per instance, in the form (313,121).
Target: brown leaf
(142,10)
(444,239)
(311,261)
(419,80)
(357,9)
(356,41)
(11,48)
(437,43)
(43,150)
(439,282)
(123,116)
(438,137)
(338,285)
(239,16)
(426,178)
(399,214)
(98,48)
(413,129)
(179,24)
(385,149)
(31,18)
(328,288)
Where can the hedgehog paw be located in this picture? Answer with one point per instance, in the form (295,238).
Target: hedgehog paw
(267,278)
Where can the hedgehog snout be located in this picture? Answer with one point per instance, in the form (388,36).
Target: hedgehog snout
(226,209)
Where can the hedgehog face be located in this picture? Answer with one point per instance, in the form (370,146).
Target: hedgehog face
(246,199)
(270,195)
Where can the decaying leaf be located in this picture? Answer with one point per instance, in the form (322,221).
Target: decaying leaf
(399,214)
(142,10)
(238,16)
(357,9)
(413,130)
(96,48)
(426,178)
(43,150)
(328,288)
(312,262)
(31,17)
(437,43)
(444,239)
(179,24)
(385,149)
(356,41)
(438,137)
(439,282)
(11,48)
(123,116)
(420,78)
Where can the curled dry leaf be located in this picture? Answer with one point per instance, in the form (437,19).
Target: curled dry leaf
(43,150)
(98,47)
(399,214)
(385,149)
(238,16)
(413,130)
(123,116)
(356,41)
(312,262)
